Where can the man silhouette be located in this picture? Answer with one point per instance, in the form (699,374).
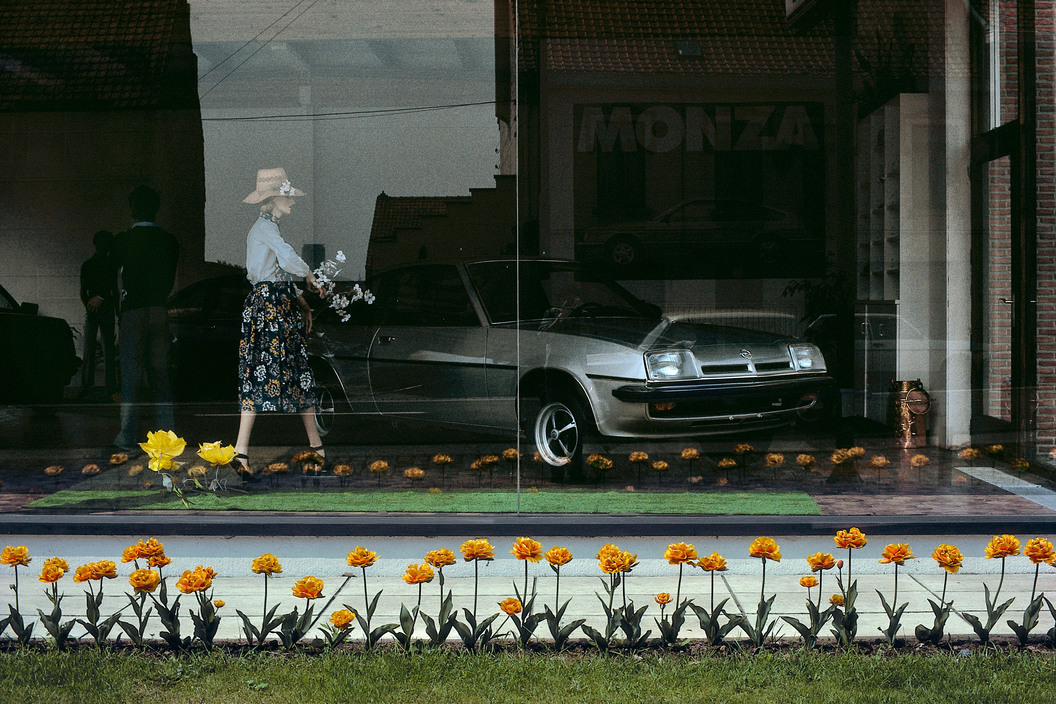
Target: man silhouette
(99,296)
(146,257)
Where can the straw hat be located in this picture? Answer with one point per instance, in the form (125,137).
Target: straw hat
(272,182)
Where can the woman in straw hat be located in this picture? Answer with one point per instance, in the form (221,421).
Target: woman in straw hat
(273,369)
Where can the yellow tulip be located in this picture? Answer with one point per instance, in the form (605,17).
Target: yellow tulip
(216,454)
(308,588)
(342,618)
(162,446)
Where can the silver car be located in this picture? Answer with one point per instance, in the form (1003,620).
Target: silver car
(556,350)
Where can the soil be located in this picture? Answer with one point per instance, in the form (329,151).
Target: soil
(581,649)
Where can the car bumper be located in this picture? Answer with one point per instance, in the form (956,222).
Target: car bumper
(710,407)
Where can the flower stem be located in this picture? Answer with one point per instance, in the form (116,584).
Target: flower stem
(557,593)
(678,590)
(1037,566)
(713,592)
(366,600)
(265,594)
(895,602)
(476,580)
(762,589)
(945,576)
(1000,582)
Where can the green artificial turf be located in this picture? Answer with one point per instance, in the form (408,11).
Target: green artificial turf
(571,501)
(444,676)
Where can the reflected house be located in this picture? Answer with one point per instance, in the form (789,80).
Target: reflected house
(413,228)
(95,98)
(855,118)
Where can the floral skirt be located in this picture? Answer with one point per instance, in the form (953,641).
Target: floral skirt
(273,370)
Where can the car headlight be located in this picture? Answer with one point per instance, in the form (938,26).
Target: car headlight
(807,358)
(670,364)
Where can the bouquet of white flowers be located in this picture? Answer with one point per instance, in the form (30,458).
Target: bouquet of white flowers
(324,278)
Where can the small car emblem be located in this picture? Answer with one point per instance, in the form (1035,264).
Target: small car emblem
(746,354)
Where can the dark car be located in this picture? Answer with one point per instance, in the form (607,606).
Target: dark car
(740,231)
(205,320)
(37,353)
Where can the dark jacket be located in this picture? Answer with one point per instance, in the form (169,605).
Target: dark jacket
(146,256)
(99,278)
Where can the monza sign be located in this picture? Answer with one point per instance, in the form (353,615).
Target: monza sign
(700,127)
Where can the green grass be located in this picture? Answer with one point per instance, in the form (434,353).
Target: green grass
(732,503)
(445,676)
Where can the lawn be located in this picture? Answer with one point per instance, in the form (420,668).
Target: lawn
(445,676)
(461,501)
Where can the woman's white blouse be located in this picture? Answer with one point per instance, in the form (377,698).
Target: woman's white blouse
(268,257)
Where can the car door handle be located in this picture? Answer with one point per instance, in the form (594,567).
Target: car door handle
(386,339)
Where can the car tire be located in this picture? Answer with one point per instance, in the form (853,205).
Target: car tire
(330,403)
(560,428)
(623,250)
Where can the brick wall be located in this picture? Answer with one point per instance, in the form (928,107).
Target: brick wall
(1045,21)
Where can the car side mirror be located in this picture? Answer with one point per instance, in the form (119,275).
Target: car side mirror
(29,308)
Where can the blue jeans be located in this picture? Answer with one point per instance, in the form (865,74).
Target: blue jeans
(144,346)
(100,322)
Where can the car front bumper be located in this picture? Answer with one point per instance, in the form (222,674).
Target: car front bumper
(710,407)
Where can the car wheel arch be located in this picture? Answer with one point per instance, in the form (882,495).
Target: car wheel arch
(549,384)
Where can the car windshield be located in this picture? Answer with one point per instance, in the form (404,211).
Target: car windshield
(6,302)
(549,290)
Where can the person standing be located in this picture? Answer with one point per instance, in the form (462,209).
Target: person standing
(99,296)
(273,369)
(146,257)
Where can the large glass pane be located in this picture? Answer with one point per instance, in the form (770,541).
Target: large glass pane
(756,214)
(997,26)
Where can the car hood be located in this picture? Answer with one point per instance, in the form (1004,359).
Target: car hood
(705,335)
(724,349)
(647,333)
(627,331)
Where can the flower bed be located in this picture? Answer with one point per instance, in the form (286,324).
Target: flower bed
(521,619)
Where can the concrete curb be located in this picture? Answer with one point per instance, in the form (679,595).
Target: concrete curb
(260,524)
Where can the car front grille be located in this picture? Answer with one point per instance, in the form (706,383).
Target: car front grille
(783,365)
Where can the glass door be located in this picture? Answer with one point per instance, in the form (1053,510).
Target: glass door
(994,301)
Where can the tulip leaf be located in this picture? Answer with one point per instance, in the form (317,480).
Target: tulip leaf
(1030,620)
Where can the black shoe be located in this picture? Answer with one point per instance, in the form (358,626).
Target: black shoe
(320,452)
(243,469)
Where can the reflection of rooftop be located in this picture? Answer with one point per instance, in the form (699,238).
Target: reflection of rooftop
(410,228)
(95,54)
(395,213)
(703,37)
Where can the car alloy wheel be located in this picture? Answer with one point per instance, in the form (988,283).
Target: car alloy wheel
(557,434)
(623,251)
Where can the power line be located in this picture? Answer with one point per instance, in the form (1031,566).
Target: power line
(250,41)
(348,115)
(263,44)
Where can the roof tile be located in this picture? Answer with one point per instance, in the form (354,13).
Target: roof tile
(741,37)
(88,54)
